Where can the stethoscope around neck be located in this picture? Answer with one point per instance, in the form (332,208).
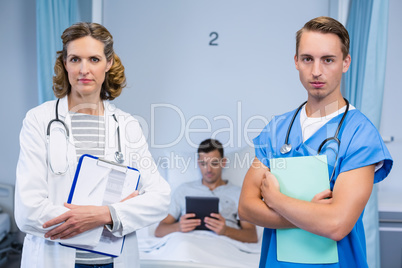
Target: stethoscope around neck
(119,157)
(287,147)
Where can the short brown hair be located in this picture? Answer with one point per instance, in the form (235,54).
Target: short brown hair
(115,79)
(326,25)
(210,145)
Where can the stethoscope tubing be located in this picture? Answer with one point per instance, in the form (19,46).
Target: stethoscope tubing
(287,147)
(118,154)
(335,137)
(119,157)
(57,120)
(292,121)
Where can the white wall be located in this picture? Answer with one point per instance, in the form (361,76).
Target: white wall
(206,90)
(18,78)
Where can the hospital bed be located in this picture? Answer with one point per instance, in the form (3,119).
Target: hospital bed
(9,234)
(173,264)
(198,249)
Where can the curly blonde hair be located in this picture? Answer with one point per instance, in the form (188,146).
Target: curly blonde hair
(115,79)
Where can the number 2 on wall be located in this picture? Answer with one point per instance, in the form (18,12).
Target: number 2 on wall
(214,36)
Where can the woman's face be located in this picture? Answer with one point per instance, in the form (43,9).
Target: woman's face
(86,65)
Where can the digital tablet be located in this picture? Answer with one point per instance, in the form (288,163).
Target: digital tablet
(202,206)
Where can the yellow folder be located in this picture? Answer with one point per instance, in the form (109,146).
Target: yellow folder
(302,178)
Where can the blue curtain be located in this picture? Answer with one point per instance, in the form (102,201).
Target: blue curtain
(52,18)
(364,82)
(364,86)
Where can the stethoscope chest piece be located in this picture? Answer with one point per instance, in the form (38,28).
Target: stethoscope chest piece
(286,148)
(118,156)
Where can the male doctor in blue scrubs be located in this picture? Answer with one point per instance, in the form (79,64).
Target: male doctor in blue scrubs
(322,56)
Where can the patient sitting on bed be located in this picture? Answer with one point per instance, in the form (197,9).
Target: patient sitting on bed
(211,162)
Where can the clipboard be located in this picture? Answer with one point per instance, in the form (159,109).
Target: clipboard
(302,178)
(100,182)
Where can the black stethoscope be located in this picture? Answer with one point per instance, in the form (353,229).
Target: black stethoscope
(287,147)
(119,157)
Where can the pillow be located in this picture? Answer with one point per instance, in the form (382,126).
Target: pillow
(179,167)
(237,165)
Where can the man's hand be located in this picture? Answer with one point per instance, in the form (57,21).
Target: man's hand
(186,224)
(325,197)
(269,186)
(216,223)
(77,220)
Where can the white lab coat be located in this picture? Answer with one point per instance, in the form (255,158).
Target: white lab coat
(40,194)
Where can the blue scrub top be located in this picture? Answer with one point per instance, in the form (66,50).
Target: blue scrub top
(361,145)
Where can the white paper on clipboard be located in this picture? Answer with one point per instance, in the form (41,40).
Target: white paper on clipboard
(98,182)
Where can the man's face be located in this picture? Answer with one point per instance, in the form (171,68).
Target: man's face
(211,165)
(320,64)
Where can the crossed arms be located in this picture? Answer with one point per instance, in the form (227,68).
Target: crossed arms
(329,214)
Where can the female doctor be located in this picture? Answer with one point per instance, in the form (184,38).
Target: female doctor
(87,75)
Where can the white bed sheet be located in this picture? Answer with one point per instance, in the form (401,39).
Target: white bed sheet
(199,247)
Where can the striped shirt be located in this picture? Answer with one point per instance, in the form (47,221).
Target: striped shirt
(89,138)
(88,133)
